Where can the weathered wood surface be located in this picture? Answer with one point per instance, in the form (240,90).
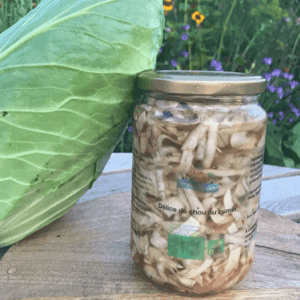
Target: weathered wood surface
(279,294)
(86,253)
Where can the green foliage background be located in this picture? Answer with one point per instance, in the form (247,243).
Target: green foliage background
(237,33)
(240,34)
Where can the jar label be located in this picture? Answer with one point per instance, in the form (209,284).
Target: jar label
(198,186)
(147,181)
(256,169)
(254,181)
(189,247)
(186,247)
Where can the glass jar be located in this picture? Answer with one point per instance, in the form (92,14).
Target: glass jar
(198,150)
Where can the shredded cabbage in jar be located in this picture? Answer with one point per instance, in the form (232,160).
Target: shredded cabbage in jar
(179,140)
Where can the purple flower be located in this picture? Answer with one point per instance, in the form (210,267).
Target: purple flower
(186,27)
(270,87)
(130,129)
(160,50)
(217,65)
(173,62)
(259,104)
(280,95)
(277,101)
(281,115)
(267,61)
(288,76)
(276,73)
(285,75)
(274,122)
(296,112)
(291,120)
(279,90)
(267,76)
(293,84)
(270,115)
(184,53)
(213,63)
(286,19)
(184,36)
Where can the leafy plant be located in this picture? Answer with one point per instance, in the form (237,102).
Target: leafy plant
(273,150)
(261,37)
(67,75)
(291,142)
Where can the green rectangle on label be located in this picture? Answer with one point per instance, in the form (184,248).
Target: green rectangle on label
(175,245)
(186,246)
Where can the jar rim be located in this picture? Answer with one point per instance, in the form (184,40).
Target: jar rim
(201,82)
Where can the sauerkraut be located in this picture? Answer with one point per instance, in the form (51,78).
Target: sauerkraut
(209,145)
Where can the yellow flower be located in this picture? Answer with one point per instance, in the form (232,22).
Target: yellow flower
(168,6)
(199,18)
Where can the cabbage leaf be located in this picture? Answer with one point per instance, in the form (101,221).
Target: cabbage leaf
(68,71)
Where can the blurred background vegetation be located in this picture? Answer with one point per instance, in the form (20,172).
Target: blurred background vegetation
(257,36)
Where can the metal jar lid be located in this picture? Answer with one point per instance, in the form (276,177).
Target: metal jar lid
(201,82)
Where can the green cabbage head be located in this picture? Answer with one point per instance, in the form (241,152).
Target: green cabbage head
(68,71)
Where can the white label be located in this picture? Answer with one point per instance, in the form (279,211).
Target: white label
(254,180)
(256,169)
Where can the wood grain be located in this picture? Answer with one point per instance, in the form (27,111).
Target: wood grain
(279,294)
(86,252)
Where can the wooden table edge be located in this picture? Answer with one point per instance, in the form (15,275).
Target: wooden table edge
(226,295)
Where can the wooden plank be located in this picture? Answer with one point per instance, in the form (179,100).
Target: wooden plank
(86,252)
(278,294)
(269,170)
(294,216)
(107,185)
(117,171)
(118,161)
(281,195)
